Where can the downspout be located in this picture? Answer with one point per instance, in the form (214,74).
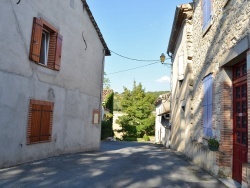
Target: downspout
(102,78)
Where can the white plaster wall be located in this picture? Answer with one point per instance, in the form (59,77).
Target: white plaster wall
(75,89)
(177,95)
(158,123)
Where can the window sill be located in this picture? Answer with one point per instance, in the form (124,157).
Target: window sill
(207,27)
(44,69)
(39,142)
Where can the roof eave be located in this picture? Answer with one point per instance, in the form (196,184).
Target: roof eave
(86,6)
(180,16)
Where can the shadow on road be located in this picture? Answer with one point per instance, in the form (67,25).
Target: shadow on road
(117,164)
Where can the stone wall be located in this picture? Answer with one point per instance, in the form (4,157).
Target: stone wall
(230,26)
(212,52)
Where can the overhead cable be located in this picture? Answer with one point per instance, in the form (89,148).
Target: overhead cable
(133,58)
(132,68)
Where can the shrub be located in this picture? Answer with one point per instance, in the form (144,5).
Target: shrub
(125,138)
(213,142)
(146,137)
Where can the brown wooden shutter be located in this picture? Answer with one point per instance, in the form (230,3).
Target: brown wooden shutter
(36,38)
(58,52)
(40,121)
(46,122)
(33,131)
(52,50)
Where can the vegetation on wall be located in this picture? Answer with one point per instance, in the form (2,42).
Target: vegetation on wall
(107,128)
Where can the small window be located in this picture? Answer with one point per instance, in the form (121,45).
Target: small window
(44,48)
(46,44)
(207,105)
(206,15)
(40,121)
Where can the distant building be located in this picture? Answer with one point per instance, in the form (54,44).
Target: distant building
(162,124)
(52,59)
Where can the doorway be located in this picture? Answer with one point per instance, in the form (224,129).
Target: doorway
(240,129)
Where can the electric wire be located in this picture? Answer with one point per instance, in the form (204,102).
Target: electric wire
(132,68)
(132,58)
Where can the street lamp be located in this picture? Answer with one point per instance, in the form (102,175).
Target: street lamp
(162,58)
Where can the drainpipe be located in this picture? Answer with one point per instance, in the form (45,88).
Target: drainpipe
(102,78)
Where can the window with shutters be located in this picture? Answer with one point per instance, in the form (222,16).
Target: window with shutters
(207,15)
(207,105)
(46,44)
(40,121)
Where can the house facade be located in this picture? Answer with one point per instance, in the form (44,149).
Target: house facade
(51,74)
(209,46)
(162,124)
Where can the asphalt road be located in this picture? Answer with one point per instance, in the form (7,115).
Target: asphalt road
(117,164)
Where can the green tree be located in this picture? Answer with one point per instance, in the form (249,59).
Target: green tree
(106,82)
(138,107)
(107,124)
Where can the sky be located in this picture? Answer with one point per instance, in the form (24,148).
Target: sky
(137,29)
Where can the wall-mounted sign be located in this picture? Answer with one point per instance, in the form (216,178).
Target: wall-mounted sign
(96,116)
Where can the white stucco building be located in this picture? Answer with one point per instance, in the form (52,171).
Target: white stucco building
(162,124)
(51,74)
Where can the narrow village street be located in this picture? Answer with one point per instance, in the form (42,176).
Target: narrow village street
(117,164)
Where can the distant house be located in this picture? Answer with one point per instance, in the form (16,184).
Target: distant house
(51,72)
(209,46)
(162,120)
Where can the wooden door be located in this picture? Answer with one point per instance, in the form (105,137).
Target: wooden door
(240,133)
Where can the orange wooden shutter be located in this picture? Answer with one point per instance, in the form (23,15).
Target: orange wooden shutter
(58,52)
(33,131)
(40,121)
(52,50)
(36,38)
(46,122)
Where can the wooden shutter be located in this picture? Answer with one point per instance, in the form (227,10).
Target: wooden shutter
(36,38)
(58,53)
(35,115)
(40,121)
(46,122)
(207,105)
(206,10)
(52,50)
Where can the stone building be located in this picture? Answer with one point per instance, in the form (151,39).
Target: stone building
(209,46)
(51,75)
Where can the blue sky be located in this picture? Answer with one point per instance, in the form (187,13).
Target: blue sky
(138,29)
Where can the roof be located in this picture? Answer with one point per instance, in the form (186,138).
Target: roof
(182,12)
(162,97)
(164,101)
(105,93)
(86,6)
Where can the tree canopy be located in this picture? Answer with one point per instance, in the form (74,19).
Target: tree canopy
(138,107)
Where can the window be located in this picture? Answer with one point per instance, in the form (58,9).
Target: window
(207,105)
(207,14)
(44,48)
(46,44)
(39,121)
(181,67)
